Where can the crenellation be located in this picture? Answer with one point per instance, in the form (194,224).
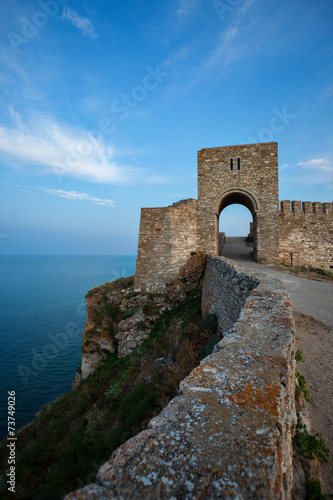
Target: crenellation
(307,207)
(296,207)
(285,206)
(328,209)
(317,208)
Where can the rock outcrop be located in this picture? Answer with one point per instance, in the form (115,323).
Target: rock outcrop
(119,319)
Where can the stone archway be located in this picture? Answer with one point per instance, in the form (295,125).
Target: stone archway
(240,197)
(248,174)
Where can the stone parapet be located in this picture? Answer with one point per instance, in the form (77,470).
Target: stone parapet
(229,432)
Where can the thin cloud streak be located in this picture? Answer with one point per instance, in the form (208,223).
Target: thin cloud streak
(316,164)
(82,23)
(75,196)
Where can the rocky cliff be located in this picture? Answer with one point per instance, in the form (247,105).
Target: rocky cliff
(120,319)
(228,434)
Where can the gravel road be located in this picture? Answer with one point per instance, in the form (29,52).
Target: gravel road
(314,298)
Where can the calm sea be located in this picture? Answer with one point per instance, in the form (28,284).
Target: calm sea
(41,323)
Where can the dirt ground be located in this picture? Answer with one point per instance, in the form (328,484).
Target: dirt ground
(304,273)
(316,341)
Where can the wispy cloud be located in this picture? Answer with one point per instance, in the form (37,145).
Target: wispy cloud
(325,93)
(315,172)
(82,23)
(316,164)
(75,196)
(183,12)
(184,8)
(238,39)
(47,147)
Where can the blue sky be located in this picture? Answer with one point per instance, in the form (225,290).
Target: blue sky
(105,104)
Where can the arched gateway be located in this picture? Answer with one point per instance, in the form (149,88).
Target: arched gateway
(247,175)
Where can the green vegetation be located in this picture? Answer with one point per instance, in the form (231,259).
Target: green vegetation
(130,312)
(323,272)
(107,311)
(131,295)
(309,446)
(302,387)
(313,490)
(302,269)
(63,448)
(302,384)
(119,284)
(299,356)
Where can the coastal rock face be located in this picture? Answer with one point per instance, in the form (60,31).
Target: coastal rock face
(228,434)
(119,319)
(131,332)
(115,322)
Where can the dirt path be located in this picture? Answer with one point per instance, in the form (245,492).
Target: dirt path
(312,303)
(316,341)
(308,296)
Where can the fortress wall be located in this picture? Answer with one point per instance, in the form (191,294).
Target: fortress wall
(167,237)
(306,234)
(225,291)
(228,432)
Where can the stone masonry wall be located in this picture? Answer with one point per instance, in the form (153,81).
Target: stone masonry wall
(225,291)
(228,433)
(306,234)
(167,237)
(245,174)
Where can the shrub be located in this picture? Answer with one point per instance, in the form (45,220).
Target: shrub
(313,490)
(309,446)
(299,356)
(130,312)
(302,387)
(209,347)
(113,391)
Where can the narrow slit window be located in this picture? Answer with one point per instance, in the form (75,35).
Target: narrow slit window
(231,164)
(238,163)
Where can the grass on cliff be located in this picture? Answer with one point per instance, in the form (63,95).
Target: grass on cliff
(63,448)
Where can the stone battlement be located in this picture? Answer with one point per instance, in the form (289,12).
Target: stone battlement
(306,208)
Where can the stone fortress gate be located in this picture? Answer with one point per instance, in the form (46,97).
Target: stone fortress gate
(246,175)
